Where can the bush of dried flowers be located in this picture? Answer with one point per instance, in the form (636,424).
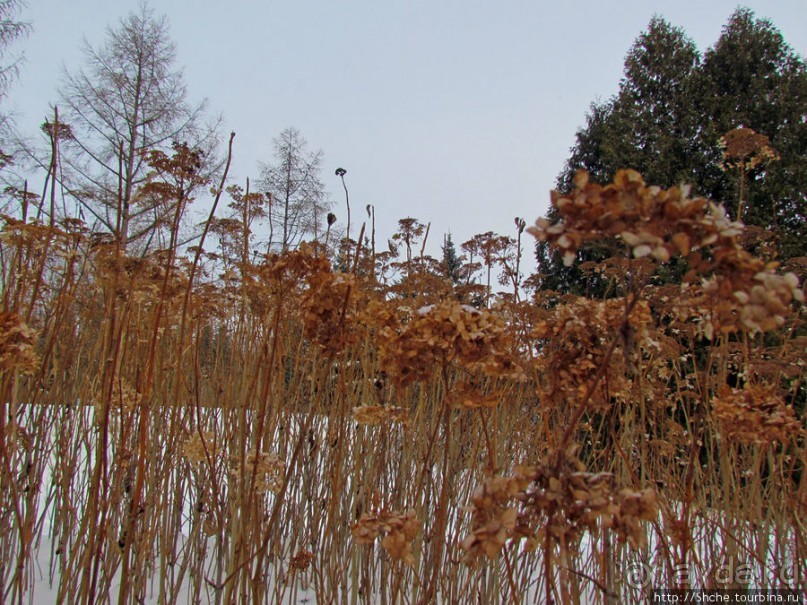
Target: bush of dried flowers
(237,430)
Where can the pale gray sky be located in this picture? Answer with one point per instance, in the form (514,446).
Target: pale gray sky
(456,112)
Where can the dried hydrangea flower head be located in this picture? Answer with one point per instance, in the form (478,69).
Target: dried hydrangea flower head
(745,149)
(398,530)
(444,333)
(16,345)
(267,469)
(739,291)
(756,414)
(201,446)
(552,504)
(649,221)
(379,414)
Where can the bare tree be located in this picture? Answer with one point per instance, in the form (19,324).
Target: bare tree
(11,29)
(127,100)
(298,203)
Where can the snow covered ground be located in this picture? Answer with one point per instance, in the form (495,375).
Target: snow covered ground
(190,547)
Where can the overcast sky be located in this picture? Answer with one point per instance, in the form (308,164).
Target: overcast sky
(456,112)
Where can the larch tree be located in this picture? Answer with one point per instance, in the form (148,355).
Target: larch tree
(11,29)
(298,204)
(128,99)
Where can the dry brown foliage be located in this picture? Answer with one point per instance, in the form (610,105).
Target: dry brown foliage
(211,427)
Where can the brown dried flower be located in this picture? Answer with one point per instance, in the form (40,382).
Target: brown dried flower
(469,397)
(745,148)
(756,414)
(443,333)
(575,338)
(302,560)
(494,515)
(267,469)
(328,310)
(553,502)
(399,531)
(198,446)
(16,344)
(739,292)
(378,414)
(652,222)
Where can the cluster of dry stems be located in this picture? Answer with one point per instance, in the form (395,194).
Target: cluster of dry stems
(292,430)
